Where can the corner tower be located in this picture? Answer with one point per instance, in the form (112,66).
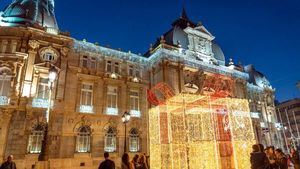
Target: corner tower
(29,13)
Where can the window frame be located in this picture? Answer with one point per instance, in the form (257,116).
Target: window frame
(134,136)
(86,91)
(83,140)
(112,135)
(36,137)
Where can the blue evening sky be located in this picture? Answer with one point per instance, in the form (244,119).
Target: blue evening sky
(265,33)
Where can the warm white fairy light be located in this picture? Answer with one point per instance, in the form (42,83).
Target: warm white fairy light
(184,133)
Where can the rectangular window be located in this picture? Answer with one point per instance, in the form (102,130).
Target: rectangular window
(93,63)
(85,61)
(35,142)
(130,70)
(83,143)
(134,143)
(117,68)
(43,89)
(110,143)
(4,85)
(112,101)
(109,66)
(86,94)
(134,104)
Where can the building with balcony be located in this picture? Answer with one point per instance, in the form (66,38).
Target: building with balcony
(96,85)
(288,113)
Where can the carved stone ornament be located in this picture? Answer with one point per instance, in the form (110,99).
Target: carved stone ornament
(64,51)
(34,44)
(49,54)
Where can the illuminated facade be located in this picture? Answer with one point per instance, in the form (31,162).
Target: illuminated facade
(204,100)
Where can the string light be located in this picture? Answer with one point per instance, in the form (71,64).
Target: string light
(189,132)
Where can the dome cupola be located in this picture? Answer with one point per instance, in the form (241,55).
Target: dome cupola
(29,13)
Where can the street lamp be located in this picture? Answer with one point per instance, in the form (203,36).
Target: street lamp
(44,155)
(125,119)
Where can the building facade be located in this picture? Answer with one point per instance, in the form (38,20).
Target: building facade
(96,85)
(288,113)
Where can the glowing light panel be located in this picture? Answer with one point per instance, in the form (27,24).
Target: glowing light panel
(199,132)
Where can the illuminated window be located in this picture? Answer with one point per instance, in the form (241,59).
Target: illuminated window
(134,140)
(112,101)
(83,139)
(86,98)
(43,89)
(110,140)
(35,139)
(134,104)
(5,79)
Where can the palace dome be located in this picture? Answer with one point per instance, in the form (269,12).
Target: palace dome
(29,13)
(257,78)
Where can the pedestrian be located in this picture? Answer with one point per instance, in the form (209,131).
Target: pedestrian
(143,162)
(271,156)
(258,158)
(295,158)
(126,164)
(107,163)
(135,161)
(9,164)
(281,159)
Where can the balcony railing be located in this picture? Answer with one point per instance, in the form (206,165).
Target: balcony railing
(40,103)
(111,111)
(86,109)
(4,100)
(135,113)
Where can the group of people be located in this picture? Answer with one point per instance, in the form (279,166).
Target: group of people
(139,161)
(269,158)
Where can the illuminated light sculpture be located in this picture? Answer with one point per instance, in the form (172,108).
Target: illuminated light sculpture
(193,131)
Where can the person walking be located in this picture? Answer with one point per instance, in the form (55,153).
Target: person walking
(295,158)
(9,164)
(107,163)
(126,164)
(135,161)
(258,158)
(271,156)
(281,159)
(143,162)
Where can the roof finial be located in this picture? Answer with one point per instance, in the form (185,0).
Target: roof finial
(183,12)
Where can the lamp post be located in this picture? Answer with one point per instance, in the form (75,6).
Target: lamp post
(125,120)
(44,155)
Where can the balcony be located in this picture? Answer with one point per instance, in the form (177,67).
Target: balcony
(86,109)
(4,100)
(40,103)
(111,111)
(135,113)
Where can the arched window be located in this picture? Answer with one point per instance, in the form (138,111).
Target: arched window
(5,80)
(110,140)
(134,145)
(35,139)
(83,139)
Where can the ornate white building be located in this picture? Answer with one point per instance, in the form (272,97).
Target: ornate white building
(96,84)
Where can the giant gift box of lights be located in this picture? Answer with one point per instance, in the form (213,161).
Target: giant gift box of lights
(200,132)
